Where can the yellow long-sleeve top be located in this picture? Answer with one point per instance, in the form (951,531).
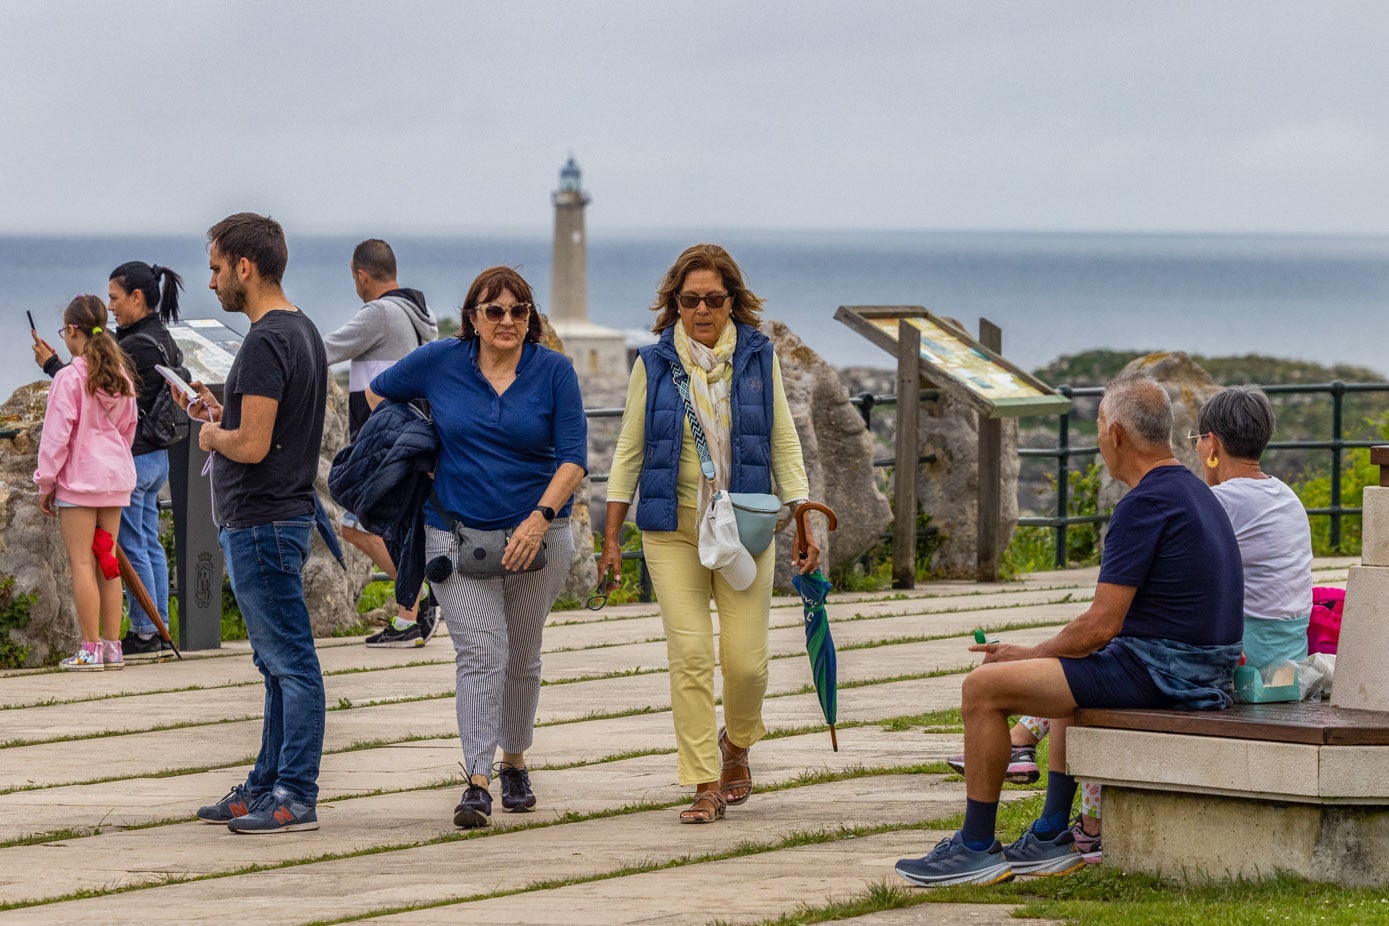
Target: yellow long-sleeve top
(788,467)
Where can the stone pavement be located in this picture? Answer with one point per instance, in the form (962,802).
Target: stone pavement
(102,773)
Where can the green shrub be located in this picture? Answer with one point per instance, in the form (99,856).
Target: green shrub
(1356,473)
(1033,549)
(14,614)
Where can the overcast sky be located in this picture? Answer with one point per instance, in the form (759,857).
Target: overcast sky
(140,116)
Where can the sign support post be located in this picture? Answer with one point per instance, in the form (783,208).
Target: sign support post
(904,472)
(990,508)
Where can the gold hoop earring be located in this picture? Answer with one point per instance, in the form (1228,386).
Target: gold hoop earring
(1212,461)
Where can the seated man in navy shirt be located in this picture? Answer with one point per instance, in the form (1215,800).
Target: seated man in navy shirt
(1164,631)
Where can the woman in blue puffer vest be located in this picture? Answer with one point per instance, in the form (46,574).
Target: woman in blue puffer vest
(707,324)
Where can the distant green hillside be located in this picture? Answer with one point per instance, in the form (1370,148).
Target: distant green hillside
(1300,417)
(1096,367)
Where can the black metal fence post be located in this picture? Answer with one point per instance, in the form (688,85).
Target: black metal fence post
(1063,482)
(1338,390)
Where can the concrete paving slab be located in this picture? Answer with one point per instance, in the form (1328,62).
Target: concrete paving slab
(750,889)
(142,754)
(505,860)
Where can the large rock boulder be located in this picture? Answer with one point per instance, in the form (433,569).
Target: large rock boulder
(1189,386)
(330,590)
(38,623)
(838,452)
(947,489)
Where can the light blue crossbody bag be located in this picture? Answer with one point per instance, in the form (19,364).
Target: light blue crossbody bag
(755,512)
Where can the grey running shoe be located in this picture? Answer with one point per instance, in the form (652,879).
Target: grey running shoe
(952,862)
(390,638)
(1033,856)
(1089,846)
(1022,766)
(237,803)
(276,811)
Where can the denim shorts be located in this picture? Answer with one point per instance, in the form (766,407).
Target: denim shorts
(1113,678)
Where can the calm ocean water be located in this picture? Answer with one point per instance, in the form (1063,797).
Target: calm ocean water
(1315,298)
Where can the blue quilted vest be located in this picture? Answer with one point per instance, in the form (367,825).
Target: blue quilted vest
(751,405)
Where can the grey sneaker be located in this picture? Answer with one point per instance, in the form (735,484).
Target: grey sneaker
(1033,856)
(276,811)
(1022,765)
(952,862)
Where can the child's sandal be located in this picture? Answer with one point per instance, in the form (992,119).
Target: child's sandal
(708,806)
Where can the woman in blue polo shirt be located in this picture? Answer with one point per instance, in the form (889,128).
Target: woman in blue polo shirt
(513,447)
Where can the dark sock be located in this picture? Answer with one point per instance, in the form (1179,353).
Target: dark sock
(1056,814)
(980,817)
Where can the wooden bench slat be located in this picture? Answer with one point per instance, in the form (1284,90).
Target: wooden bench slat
(1314,723)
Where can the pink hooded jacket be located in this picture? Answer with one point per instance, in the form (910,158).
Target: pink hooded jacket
(84,451)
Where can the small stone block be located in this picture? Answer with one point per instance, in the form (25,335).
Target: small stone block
(1374,549)
(1362,669)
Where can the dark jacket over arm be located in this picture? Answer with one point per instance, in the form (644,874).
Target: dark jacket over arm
(383,479)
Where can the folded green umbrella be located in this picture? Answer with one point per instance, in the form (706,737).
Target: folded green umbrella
(819,644)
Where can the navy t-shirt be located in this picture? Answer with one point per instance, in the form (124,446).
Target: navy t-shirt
(282,358)
(497,454)
(1170,539)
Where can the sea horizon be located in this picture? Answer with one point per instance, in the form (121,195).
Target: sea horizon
(1053,293)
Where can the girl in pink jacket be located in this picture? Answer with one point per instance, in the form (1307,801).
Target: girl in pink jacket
(86,473)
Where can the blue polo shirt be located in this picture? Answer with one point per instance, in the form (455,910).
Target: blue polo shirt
(1170,539)
(498,453)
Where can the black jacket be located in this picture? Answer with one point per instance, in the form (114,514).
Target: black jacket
(383,479)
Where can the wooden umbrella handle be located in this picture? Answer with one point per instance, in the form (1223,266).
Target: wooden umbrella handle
(802,543)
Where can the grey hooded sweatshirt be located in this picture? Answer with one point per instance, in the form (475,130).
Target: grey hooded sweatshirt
(382,332)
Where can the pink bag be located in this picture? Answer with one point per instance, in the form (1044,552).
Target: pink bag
(1324,629)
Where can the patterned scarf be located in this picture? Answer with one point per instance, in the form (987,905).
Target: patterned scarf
(711,382)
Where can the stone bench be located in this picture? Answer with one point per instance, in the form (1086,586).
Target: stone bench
(1248,791)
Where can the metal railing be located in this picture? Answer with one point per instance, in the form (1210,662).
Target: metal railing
(1063,452)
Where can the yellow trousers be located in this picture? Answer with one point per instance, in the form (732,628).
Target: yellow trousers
(683,589)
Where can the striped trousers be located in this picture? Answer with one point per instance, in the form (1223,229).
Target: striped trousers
(495,625)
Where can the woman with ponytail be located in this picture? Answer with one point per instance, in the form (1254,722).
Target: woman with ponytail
(144,300)
(86,473)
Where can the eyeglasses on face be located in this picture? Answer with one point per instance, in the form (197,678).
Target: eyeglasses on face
(692,300)
(1193,436)
(495,313)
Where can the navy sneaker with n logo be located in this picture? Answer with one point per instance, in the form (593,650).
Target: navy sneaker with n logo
(276,811)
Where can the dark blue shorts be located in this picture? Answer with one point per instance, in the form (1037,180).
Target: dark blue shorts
(1112,677)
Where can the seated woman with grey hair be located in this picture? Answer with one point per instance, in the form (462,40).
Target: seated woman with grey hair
(1275,540)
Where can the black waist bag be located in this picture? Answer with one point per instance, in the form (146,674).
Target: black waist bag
(479,552)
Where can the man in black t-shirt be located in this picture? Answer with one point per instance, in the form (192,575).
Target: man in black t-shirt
(1163,631)
(264,440)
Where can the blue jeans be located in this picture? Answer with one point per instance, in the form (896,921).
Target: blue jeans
(140,538)
(265,564)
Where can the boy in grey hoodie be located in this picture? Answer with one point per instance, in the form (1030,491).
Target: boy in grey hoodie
(392,322)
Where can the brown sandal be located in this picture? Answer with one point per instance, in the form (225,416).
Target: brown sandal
(734,774)
(708,806)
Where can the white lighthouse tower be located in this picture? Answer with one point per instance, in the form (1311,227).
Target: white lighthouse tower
(595,350)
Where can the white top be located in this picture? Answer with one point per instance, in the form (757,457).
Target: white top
(1275,543)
